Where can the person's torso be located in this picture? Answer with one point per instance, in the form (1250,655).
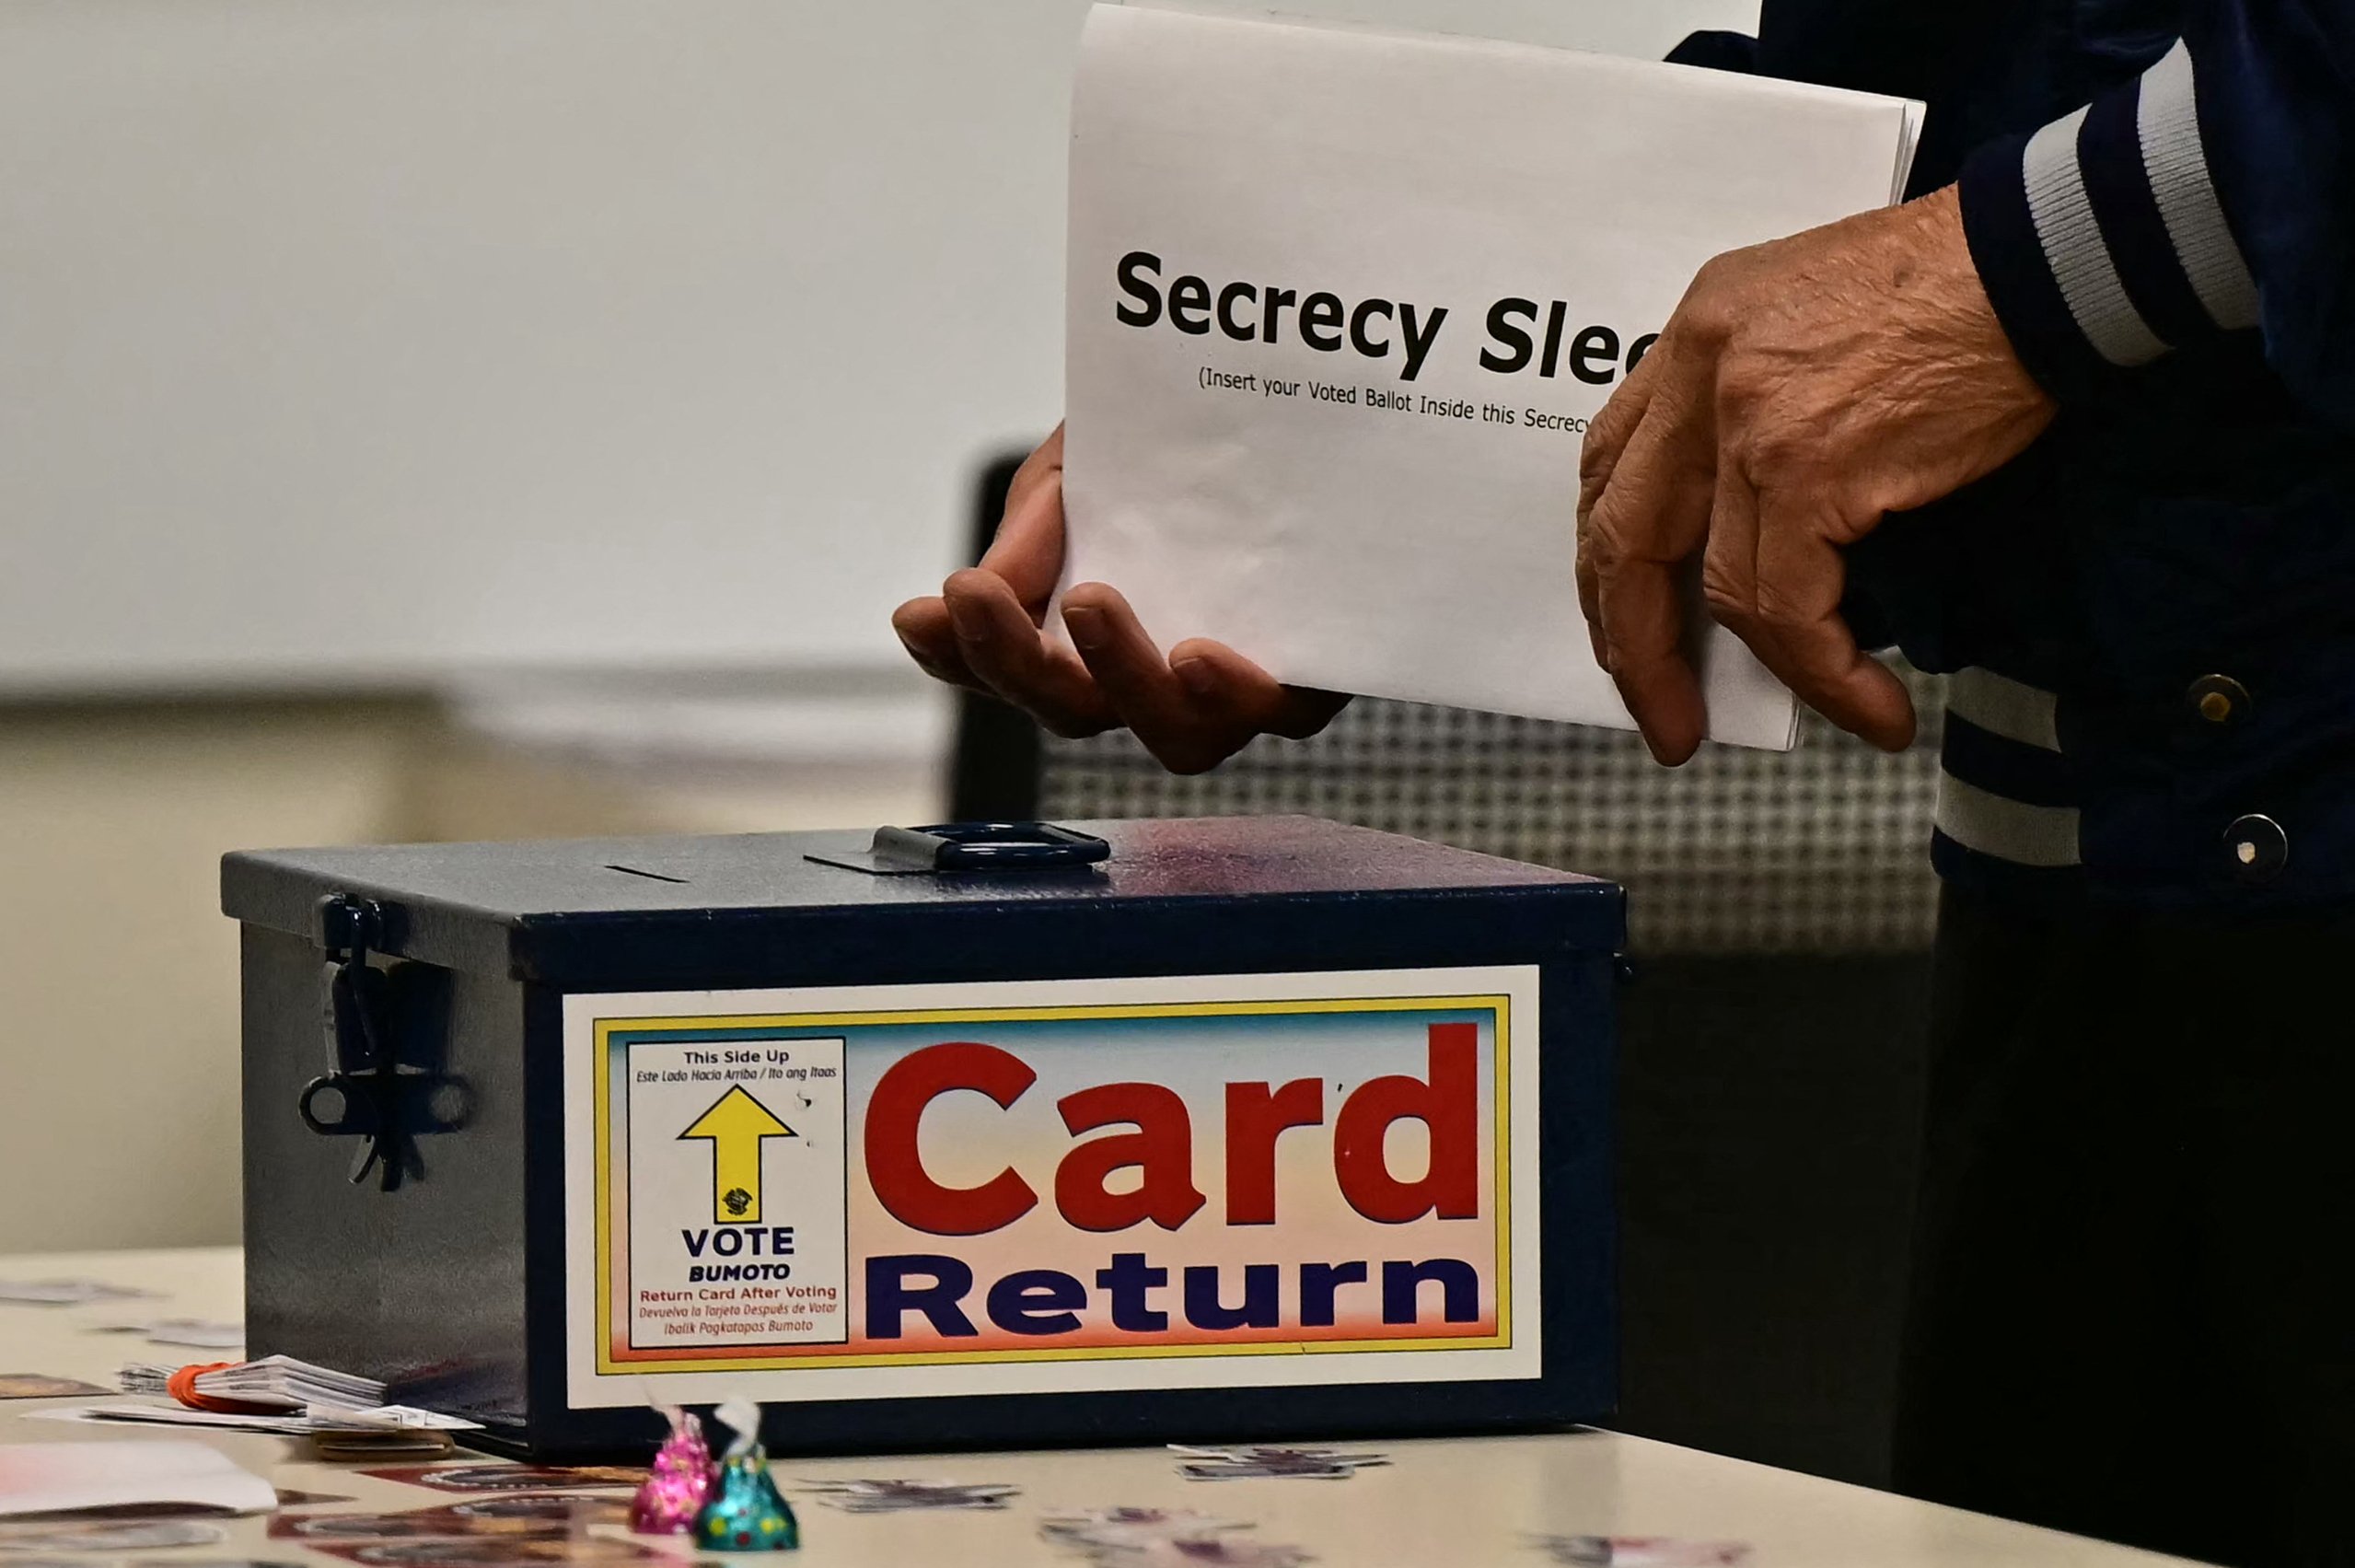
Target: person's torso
(2195,534)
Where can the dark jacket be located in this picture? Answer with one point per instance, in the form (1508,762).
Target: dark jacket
(2175,560)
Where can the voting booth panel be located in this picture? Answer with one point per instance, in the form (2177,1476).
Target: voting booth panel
(1131,1132)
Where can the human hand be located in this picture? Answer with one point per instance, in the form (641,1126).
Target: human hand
(1802,390)
(985,630)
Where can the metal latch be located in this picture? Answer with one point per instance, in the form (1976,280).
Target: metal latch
(973,847)
(368,1091)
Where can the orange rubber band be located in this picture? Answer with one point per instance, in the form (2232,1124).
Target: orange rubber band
(181,1386)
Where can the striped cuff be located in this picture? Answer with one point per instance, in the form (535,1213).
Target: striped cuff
(2100,239)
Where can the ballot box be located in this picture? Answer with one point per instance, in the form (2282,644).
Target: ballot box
(1246,1128)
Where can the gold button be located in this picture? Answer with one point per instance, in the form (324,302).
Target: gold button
(2257,848)
(2218,699)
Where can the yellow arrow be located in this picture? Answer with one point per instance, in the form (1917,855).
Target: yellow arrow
(736,1125)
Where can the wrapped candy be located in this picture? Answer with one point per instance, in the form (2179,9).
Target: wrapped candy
(679,1483)
(746,1512)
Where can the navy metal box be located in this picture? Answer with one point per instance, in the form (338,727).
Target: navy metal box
(1260,1128)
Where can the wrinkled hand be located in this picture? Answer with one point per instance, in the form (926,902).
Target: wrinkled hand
(986,631)
(1804,389)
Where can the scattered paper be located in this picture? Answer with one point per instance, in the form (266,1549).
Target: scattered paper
(1342,302)
(1164,1537)
(357,1448)
(1283,1464)
(1641,1551)
(1131,1526)
(484,1552)
(66,1293)
(278,1382)
(397,1422)
(196,1332)
(894,1496)
(56,1478)
(38,1386)
(508,1516)
(1218,1551)
(148,1535)
(515,1477)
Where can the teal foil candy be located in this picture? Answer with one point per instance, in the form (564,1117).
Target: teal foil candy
(747,1513)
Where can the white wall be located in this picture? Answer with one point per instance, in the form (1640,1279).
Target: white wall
(347,343)
(361,341)
(119,1123)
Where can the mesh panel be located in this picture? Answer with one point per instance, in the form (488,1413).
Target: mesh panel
(1822,849)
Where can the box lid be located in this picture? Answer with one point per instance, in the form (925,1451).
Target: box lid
(520,907)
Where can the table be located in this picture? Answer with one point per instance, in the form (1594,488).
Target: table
(1441,1503)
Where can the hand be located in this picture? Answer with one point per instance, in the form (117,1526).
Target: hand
(1802,390)
(986,632)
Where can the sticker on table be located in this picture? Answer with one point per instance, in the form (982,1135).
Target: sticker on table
(1200,1552)
(896,1496)
(481,1552)
(1641,1551)
(516,1514)
(148,1535)
(1122,1528)
(513,1478)
(500,1510)
(1271,1464)
(38,1386)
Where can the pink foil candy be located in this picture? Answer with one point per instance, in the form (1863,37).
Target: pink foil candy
(679,1483)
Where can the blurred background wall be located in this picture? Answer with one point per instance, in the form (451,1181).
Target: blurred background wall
(118,1073)
(458,418)
(433,418)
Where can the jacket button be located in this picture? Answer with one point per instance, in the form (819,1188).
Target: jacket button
(2218,699)
(2257,849)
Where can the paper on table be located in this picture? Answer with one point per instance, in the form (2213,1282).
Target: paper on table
(55,1478)
(312,1421)
(278,1382)
(64,1293)
(1412,538)
(198,1332)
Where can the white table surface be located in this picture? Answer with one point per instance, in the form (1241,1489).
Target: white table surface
(1442,1504)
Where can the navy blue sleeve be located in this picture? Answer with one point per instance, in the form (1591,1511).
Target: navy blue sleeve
(2215,194)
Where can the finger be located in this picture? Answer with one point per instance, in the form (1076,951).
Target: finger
(1607,436)
(1644,626)
(924,629)
(1643,431)
(1589,607)
(1729,567)
(1652,518)
(1140,684)
(1797,633)
(1007,652)
(1229,688)
(1028,550)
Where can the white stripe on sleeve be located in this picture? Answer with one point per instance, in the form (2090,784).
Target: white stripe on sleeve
(2176,160)
(2072,243)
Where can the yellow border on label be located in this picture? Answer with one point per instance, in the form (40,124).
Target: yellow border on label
(1499,1007)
